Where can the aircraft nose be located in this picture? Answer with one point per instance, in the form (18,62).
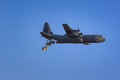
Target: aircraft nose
(100,39)
(103,39)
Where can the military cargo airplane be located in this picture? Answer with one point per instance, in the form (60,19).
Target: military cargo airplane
(71,36)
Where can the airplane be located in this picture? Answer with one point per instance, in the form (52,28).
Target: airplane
(71,36)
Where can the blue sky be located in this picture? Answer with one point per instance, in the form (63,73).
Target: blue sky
(21,57)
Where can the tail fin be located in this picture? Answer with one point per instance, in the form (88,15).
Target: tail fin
(47,28)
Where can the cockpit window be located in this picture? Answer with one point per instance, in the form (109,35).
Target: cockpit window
(100,36)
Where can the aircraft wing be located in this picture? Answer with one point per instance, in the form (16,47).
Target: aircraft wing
(70,32)
(67,29)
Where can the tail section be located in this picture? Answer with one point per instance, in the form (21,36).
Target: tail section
(47,29)
(46,32)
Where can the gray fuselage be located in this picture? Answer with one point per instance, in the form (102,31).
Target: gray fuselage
(85,39)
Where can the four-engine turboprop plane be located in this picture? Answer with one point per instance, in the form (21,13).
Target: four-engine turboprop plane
(71,36)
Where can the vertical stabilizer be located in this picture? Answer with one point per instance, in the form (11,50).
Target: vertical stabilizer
(47,28)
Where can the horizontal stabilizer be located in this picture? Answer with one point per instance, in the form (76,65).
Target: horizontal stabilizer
(45,35)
